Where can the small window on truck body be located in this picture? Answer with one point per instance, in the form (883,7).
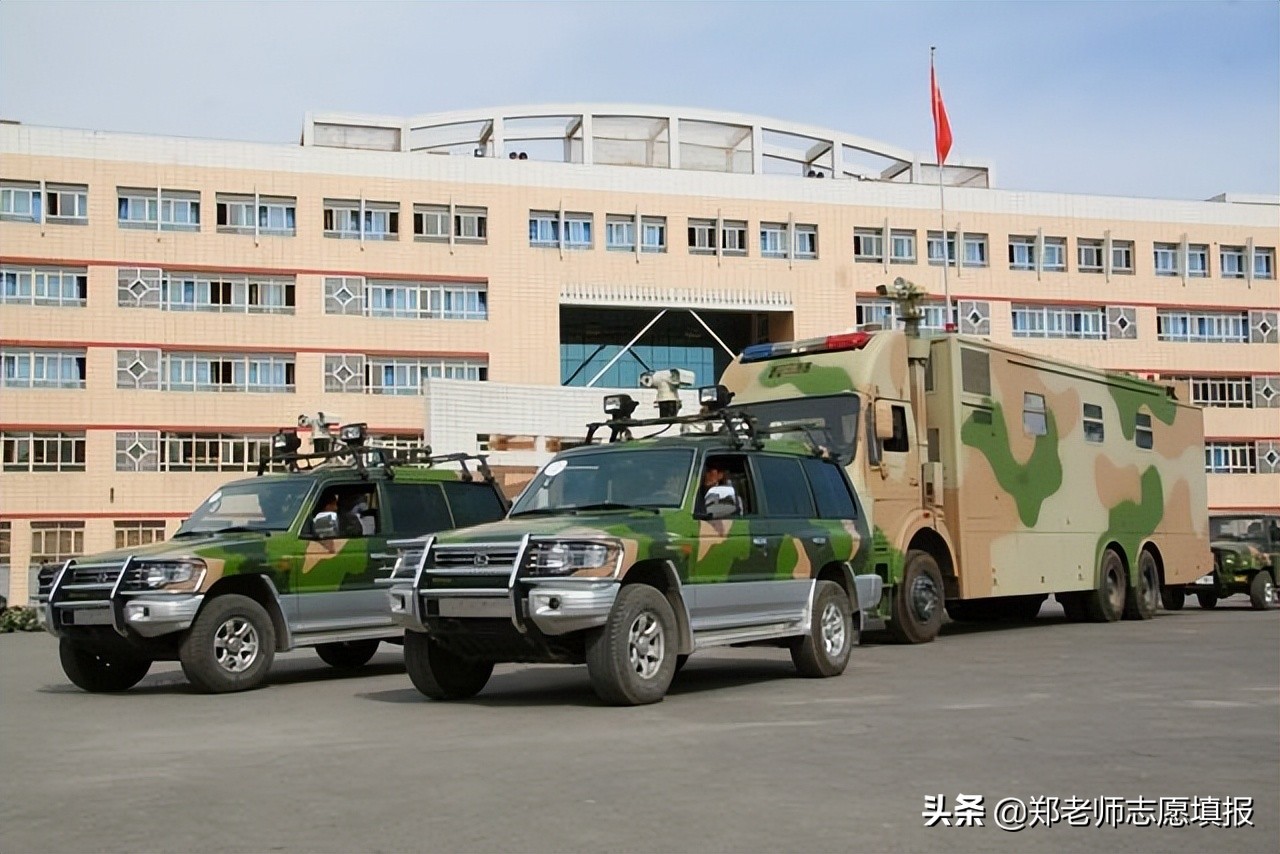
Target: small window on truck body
(899,442)
(1142,435)
(1093,426)
(1034,421)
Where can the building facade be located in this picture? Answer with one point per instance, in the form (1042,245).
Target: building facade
(167,304)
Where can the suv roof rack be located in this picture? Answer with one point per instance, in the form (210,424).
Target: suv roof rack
(364,457)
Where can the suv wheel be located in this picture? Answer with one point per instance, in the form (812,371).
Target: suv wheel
(824,651)
(441,674)
(1173,598)
(1208,599)
(100,670)
(1106,604)
(1262,591)
(230,646)
(918,601)
(347,655)
(1143,599)
(631,659)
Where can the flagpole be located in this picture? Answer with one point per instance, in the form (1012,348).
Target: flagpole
(948,324)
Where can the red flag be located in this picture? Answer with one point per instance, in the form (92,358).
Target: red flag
(941,127)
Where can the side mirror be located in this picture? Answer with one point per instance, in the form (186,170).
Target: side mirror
(720,502)
(325,525)
(884,420)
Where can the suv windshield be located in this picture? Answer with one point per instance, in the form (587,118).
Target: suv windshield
(263,505)
(828,421)
(1238,528)
(609,479)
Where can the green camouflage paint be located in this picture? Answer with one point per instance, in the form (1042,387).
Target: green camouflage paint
(806,377)
(1130,401)
(1128,524)
(1029,483)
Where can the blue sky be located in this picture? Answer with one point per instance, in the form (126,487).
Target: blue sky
(1164,100)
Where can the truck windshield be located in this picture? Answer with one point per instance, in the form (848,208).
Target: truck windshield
(614,479)
(831,422)
(263,505)
(1237,528)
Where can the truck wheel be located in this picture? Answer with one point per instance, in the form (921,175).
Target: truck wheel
(1143,600)
(1262,591)
(824,651)
(441,674)
(918,601)
(347,655)
(1208,599)
(230,646)
(631,659)
(100,670)
(1106,603)
(1173,598)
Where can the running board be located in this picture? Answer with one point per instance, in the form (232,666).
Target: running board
(725,637)
(340,635)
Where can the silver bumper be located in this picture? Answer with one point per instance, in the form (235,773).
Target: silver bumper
(152,617)
(555,607)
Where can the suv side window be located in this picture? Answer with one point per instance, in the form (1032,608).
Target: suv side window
(473,503)
(783,487)
(417,508)
(830,490)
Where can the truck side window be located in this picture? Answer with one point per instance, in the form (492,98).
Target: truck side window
(472,503)
(898,443)
(418,508)
(830,490)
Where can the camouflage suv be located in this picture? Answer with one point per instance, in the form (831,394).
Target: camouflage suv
(1246,553)
(264,565)
(631,555)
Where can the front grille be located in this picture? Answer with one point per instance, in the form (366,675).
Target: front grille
(86,582)
(498,558)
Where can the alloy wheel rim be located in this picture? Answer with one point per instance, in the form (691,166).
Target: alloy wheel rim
(833,630)
(646,645)
(235,645)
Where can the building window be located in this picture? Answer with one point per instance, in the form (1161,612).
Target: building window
(653,232)
(168,210)
(353,295)
(1142,435)
(236,372)
(274,215)
(806,241)
(138,287)
(1094,430)
(702,236)
(64,286)
(940,252)
(1055,254)
(1264,263)
(902,247)
(1203,326)
(577,230)
(868,244)
(1034,421)
(620,233)
(1227,392)
(138,450)
(1166,259)
(470,224)
(43,368)
(1089,256)
(399,442)
(544,228)
(20,201)
(975,250)
(391,375)
(1231,262)
(192,452)
(733,237)
(42,451)
(1122,256)
(67,203)
(773,239)
(355,220)
(431,222)
(884,314)
(1022,252)
(1230,457)
(1059,321)
(1197,260)
(56,542)
(130,534)
(6,544)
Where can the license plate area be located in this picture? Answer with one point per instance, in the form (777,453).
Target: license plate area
(85,616)
(1205,580)
(473,607)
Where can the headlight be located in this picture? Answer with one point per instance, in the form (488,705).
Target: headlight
(566,558)
(153,575)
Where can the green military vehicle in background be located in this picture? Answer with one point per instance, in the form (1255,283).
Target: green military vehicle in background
(267,564)
(631,555)
(1246,554)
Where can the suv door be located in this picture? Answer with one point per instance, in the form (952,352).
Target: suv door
(336,579)
(797,547)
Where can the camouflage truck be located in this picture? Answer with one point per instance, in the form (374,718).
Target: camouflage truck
(993,478)
(631,555)
(1246,553)
(264,565)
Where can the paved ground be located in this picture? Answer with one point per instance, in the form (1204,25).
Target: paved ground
(742,756)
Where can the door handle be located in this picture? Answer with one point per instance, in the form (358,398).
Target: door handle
(759,541)
(821,541)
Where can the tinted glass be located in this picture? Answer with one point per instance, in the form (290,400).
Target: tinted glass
(261,504)
(417,508)
(615,477)
(472,503)
(830,490)
(783,487)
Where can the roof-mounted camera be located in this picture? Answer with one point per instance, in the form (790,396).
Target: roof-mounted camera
(667,383)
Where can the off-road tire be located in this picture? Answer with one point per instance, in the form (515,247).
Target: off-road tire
(832,635)
(99,670)
(1262,591)
(918,601)
(1208,599)
(1106,603)
(348,655)
(1143,599)
(442,674)
(1173,598)
(631,659)
(230,646)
